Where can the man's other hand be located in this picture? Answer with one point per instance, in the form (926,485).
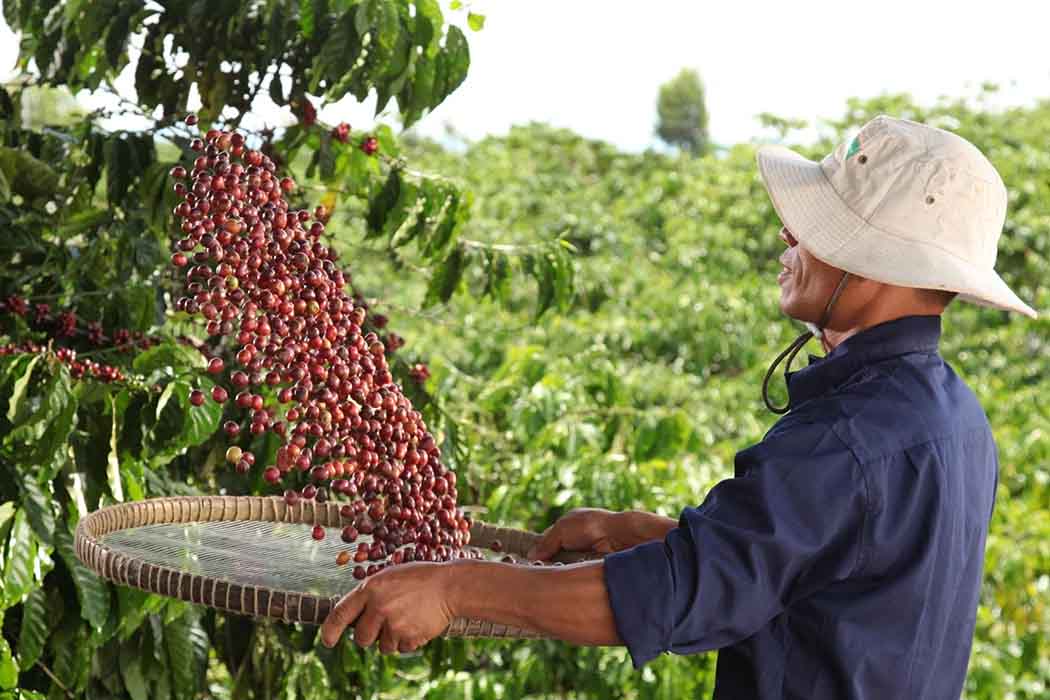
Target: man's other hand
(600,531)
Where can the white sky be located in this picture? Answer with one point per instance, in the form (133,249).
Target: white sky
(595,65)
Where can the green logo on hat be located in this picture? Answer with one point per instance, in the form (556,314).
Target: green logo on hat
(853,148)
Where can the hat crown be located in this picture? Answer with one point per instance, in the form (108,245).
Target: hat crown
(923,184)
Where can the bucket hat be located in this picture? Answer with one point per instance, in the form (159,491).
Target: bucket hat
(902,203)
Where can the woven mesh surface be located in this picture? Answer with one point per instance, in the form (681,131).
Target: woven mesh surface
(251,555)
(274,555)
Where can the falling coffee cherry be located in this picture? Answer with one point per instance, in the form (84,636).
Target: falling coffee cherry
(318,532)
(342,558)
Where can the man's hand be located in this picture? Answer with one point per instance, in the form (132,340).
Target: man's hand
(601,531)
(404,607)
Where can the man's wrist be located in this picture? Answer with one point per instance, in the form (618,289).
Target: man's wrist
(640,526)
(455,582)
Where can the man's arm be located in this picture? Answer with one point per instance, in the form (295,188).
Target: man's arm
(566,602)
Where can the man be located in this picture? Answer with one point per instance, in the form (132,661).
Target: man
(844,558)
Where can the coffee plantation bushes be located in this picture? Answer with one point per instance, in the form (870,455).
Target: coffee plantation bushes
(580,326)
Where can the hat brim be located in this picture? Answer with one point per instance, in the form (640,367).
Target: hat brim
(817,217)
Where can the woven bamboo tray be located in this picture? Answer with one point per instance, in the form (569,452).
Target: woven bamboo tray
(100,555)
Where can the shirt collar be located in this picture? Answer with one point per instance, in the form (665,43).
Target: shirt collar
(889,339)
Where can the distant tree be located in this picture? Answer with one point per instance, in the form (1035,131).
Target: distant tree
(682,113)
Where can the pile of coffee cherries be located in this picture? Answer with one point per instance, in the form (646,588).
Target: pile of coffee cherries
(258,273)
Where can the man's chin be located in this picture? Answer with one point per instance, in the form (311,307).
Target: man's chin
(791,310)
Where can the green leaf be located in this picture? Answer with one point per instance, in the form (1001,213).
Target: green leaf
(476,21)
(542,269)
(384,200)
(84,221)
(34,632)
(21,554)
(37,503)
(429,22)
(313,678)
(168,359)
(424,222)
(564,276)
(336,59)
(5,188)
(118,169)
(117,38)
(664,438)
(306,18)
(11,13)
(131,671)
(497,277)
(201,421)
(446,278)
(451,215)
(71,654)
(326,157)
(367,16)
(417,95)
(7,511)
(133,606)
(453,63)
(395,217)
(58,414)
(20,389)
(44,420)
(276,89)
(180,424)
(92,591)
(187,645)
(8,668)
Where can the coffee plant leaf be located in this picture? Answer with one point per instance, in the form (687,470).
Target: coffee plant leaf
(8,667)
(93,593)
(186,644)
(34,630)
(168,359)
(20,556)
(37,501)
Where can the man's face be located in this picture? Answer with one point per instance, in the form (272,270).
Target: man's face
(806,283)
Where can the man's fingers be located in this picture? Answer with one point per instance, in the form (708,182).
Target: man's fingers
(367,628)
(343,614)
(548,545)
(387,643)
(407,647)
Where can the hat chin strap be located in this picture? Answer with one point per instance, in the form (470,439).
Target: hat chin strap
(814,330)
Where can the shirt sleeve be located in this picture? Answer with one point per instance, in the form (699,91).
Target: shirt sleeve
(788,525)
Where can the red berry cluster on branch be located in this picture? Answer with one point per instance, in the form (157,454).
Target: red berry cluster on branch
(420,373)
(78,369)
(67,325)
(257,272)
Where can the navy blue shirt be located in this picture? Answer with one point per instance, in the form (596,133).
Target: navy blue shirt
(844,558)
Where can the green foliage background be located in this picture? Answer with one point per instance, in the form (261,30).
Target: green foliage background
(596,324)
